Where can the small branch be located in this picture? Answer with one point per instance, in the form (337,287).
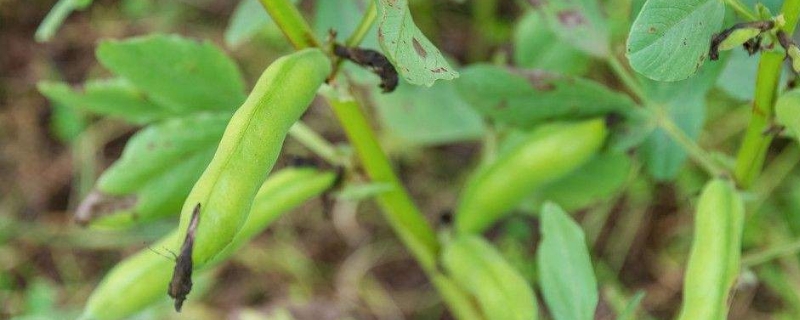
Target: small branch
(316,143)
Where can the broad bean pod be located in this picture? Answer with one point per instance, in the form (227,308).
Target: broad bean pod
(500,290)
(544,155)
(716,250)
(249,148)
(140,280)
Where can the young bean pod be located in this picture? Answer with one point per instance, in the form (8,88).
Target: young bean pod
(481,270)
(544,155)
(716,250)
(139,281)
(249,148)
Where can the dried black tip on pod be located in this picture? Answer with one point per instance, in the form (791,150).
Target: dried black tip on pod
(181,283)
(372,60)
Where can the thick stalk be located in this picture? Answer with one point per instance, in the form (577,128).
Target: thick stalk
(291,22)
(397,206)
(753,149)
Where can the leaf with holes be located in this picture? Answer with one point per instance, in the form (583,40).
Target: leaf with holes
(412,54)
(669,40)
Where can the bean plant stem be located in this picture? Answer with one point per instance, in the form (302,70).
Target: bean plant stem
(364,26)
(401,212)
(742,9)
(291,22)
(755,145)
(397,206)
(664,121)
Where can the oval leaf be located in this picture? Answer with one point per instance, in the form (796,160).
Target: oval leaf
(525,98)
(412,54)
(177,73)
(670,38)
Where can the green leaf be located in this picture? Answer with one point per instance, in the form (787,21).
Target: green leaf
(411,53)
(536,46)
(527,98)
(156,172)
(565,268)
(579,23)
(247,19)
(480,269)
(685,103)
(670,38)
(113,98)
(599,179)
(177,73)
(428,116)
(55,18)
(159,147)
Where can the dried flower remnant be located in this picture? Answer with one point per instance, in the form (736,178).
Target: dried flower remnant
(374,61)
(181,283)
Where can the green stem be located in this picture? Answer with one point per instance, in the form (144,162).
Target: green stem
(756,142)
(397,206)
(627,79)
(364,26)
(403,215)
(317,144)
(291,22)
(755,145)
(742,9)
(664,121)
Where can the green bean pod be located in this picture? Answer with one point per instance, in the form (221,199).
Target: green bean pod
(500,290)
(544,155)
(249,148)
(715,255)
(139,281)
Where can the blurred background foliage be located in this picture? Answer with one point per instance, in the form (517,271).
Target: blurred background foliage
(347,264)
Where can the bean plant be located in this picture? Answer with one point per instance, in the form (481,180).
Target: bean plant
(598,104)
